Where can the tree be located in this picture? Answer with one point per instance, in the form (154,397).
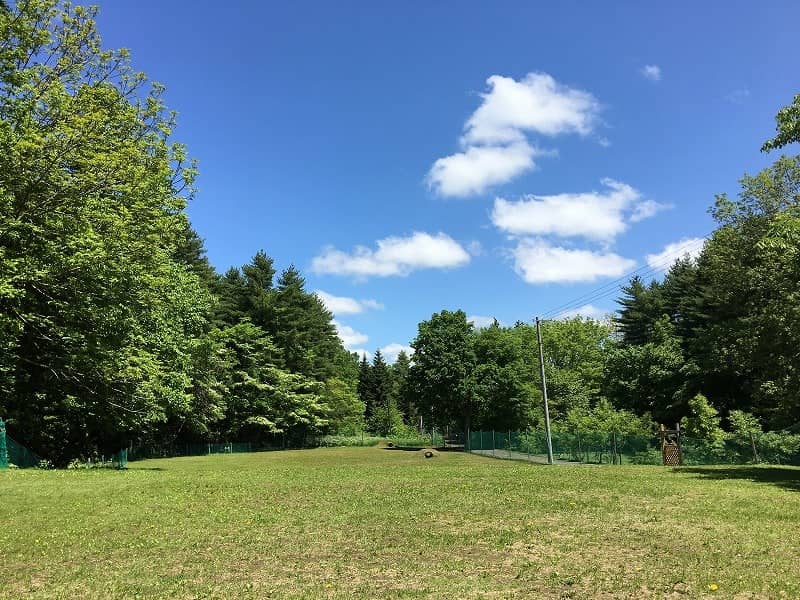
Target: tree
(442,375)
(98,307)
(505,388)
(650,377)
(303,329)
(258,299)
(345,410)
(384,417)
(401,390)
(641,307)
(365,388)
(232,303)
(263,398)
(788,127)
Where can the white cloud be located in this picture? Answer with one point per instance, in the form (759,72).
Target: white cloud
(391,351)
(588,311)
(362,353)
(394,256)
(645,210)
(538,262)
(342,305)
(691,247)
(537,103)
(479,167)
(480,322)
(349,336)
(494,144)
(475,248)
(599,216)
(739,96)
(651,72)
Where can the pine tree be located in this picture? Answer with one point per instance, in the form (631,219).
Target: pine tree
(401,389)
(365,387)
(641,306)
(381,389)
(258,275)
(231,292)
(303,329)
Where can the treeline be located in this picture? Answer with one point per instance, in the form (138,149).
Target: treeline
(714,344)
(114,329)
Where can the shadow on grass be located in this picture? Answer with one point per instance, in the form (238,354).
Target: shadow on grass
(145,469)
(785,477)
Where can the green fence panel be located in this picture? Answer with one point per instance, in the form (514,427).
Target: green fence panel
(621,448)
(3,446)
(20,456)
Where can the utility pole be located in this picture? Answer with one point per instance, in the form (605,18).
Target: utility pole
(544,396)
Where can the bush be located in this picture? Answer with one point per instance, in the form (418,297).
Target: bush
(650,456)
(330,441)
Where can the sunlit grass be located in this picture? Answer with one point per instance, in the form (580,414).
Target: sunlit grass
(373,523)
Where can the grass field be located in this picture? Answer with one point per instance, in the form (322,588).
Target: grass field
(374,523)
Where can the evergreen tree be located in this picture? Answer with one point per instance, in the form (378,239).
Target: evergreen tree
(258,275)
(641,306)
(384,413)
(232,299)
(303,329)
(366,388)
(402,391)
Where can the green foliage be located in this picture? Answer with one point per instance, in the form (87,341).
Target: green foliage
(442,376)
(604,418)
(345,411)
(331,441)
(649,377)
(703,421)
(98,311)
(787,125)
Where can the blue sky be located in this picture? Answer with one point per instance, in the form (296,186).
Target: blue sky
(503,158)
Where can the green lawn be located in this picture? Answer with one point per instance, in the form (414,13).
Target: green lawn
(374,523)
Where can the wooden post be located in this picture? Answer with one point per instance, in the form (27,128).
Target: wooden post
(753,446)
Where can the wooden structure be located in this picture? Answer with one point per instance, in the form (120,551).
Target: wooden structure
(671,453)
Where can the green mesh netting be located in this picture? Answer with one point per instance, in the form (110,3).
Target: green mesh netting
(3,447)
(615,448)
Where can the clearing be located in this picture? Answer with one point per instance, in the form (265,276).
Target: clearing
(369,523)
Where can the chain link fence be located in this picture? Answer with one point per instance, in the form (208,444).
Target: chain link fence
(621,448)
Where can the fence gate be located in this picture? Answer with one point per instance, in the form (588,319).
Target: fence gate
(671,453)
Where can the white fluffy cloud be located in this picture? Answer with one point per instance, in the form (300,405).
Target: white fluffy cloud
(589,311)
(394,256)
(391,351)
(480,322)
(349,336)
(480,167)
(537,103)
(362,352)
(494,144)
(651,72)
(691,247)
(536,261)
(342,305)
(597,216)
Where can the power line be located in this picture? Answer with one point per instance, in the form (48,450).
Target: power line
(611,288)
